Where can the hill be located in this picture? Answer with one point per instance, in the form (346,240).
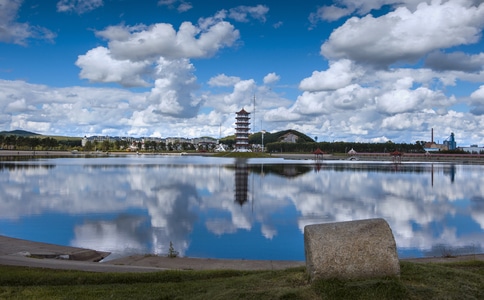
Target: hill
(279,136)
(19,133)
(275,137)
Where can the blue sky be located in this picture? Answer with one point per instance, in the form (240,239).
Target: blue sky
(344,70)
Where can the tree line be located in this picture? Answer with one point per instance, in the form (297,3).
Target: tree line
(14,142)
(344,147)
(303,145)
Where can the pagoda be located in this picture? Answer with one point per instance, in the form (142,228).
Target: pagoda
(242,131)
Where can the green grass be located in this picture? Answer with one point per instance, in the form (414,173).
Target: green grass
(417,281)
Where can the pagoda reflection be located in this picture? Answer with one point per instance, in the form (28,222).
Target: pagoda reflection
(241,181)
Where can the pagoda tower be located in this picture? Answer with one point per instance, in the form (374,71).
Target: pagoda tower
(242,131)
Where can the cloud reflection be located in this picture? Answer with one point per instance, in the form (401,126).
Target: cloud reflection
(141,206)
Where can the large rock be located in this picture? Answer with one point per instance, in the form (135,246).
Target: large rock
(351,250)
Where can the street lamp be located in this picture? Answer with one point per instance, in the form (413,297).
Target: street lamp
(263,132)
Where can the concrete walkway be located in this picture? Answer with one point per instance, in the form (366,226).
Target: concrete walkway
(17,252)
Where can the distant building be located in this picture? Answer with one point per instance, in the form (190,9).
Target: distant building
(242,131)
(450,142)
(473,149)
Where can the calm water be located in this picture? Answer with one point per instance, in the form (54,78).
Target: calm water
(228,208)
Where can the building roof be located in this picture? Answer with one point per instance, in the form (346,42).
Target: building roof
(243,111)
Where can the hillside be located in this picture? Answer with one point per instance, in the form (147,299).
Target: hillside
(19,133)
(275,137)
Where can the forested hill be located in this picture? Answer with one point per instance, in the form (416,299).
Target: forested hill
(275,137)
(19,133)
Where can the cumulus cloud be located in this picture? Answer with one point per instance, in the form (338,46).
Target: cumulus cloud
(328,13)
(376,105)
(477,101)
(404,100)
(455,61)
(14,32)
(344,8)
(271,78)
(172,94)
(223,80)
(403,35)
(132,52)
(340,74)
(18,105)
(281,114)
(190,41)
(98,65)
(242,13)
(78,6)
(241,95)
(181,6)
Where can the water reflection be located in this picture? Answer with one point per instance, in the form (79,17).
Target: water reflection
(224,208)
(241,181)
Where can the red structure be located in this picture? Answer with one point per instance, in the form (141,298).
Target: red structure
(242,131)
(318,153)
(397,156)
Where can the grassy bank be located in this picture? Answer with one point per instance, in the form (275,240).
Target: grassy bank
(417,281)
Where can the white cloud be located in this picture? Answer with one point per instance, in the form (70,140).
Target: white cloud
(98,65)
(15,32)
(404,121)
(132,51)
(340,74)
(271,78)
(78,6)
(223,80)
(161,40)
(403,35)
(344,8)
(281,114)
(241,95)
(404,99)
(328,13)
(185,6)
(173,91)
(17,106)
(181,6)
(241,13)
(458,61)
(479,94)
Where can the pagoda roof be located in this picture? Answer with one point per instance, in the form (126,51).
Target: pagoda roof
(242,111)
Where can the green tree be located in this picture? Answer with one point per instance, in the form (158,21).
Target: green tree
(88,146)
(106,145)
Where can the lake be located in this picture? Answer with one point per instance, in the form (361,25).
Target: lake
(230,208)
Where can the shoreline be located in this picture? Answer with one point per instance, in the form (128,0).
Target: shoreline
(362,157)
(18,252)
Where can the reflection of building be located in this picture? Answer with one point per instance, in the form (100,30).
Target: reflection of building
(242,131)
(241,181)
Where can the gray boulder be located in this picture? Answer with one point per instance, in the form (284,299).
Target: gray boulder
(351,250)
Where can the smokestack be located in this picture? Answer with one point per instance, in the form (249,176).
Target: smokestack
(432,137)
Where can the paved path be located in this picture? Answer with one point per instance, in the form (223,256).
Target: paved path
(17,252)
